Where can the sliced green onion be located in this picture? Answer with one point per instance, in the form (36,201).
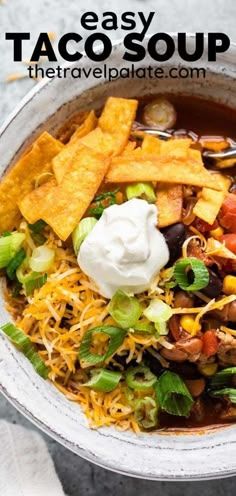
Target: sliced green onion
(145,412)
(81,231)
(9,246)
(162,328)
(173,395)
(158,311)
(20,339)
(129,395)
(200,274)
(141,190)
(22,273)
(42,259)
(223,377)
(117,336)
(104,380)
(125,309)
(15,263)
(34,281)
(140,378)
(30,280)
(143,327)
(230,392)
(37,226)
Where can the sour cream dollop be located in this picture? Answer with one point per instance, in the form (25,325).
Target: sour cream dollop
(124,250)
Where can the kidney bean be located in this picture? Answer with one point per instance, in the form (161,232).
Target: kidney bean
(214,287)
(174,354)
(183,300)
(227,314)
(174,327)
(175,235)
(195,386)
(232,311)
(192,346)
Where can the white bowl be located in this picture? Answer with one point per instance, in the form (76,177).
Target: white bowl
(204,454)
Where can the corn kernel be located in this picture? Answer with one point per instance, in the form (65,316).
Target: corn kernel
(208,369)
(217,233)
(187,323)
(229,285)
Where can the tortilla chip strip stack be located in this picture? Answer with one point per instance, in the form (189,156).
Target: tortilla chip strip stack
(79,170)
(21,179)
(101,150)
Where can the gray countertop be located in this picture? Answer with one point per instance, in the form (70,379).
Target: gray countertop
(60,16)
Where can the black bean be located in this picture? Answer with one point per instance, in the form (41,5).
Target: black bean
(121,360)
(214,288)
(153,363)
(175,236)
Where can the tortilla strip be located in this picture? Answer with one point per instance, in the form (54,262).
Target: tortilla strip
(130,147)
(135,168)
(169,203)
(176,147)
(210,201)
(169,196)
(88,125)
(20,180)
(63,206)
(116,120)
(151,144)
(109,138)
(145,167)
(32,203)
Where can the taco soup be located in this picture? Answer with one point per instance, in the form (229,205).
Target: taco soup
(118,256)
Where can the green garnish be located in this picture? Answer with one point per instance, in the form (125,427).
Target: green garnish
(223,377)
(81,231)
(158,311)
(104,380)
(9,246)
(34,281)
(140,378)
(145,328)
(15,263)
(116,335)
(125,309)
(145,412)
(20,339)
(173,395)
(199,270)
(230,392)
(141,190)
(41,259)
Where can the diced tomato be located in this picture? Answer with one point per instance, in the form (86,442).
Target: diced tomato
(203,226)
(229,221)
(229,205)
(228,213)
(230,241)
(210,343)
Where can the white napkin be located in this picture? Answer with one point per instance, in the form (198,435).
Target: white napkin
(26,468)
